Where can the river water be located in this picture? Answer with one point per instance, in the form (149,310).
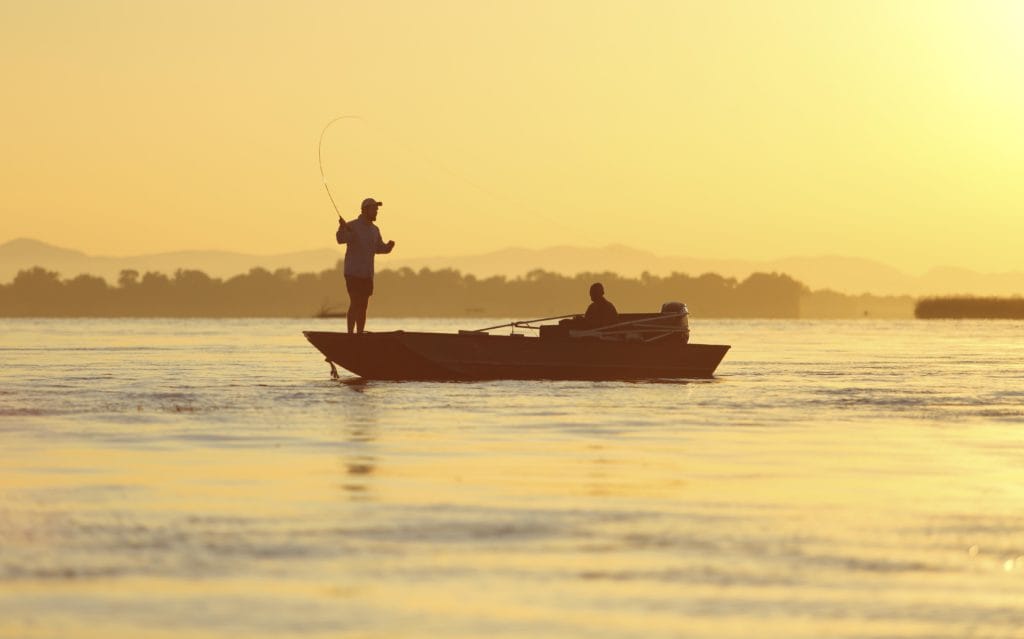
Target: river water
(206,478)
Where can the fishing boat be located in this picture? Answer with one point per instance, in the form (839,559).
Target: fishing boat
(636,346)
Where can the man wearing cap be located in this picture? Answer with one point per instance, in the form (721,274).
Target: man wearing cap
(363,241)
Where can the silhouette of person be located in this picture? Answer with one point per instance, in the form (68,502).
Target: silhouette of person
(362,239)
(601,312)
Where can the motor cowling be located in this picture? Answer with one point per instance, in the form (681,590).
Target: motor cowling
(678,308)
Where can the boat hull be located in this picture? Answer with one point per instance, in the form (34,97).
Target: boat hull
(401,355)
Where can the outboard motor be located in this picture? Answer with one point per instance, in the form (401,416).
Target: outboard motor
(678,308)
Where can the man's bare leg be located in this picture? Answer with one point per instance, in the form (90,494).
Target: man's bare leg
(357,314)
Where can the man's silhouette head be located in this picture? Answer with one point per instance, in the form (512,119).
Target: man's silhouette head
(596,291)
(369,208)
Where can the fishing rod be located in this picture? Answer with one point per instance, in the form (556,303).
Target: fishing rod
(320,158)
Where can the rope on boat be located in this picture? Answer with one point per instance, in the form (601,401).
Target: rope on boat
(647,320)
(594,331)
(334,371)
(637,327)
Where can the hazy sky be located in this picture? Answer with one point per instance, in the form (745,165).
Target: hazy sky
(892,130)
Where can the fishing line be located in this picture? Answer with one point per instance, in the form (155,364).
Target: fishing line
(320,158)
(430,160)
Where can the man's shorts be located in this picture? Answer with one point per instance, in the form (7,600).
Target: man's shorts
(359,286)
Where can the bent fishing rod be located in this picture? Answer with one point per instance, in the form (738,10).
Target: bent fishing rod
(320,158)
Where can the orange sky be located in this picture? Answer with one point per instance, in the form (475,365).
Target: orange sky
(888,130)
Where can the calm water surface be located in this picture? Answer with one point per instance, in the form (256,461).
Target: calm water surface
(207,478)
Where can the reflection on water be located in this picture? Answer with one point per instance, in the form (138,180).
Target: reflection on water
(844,479)
(359,459)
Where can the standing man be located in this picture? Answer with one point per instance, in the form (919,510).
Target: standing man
(363,241)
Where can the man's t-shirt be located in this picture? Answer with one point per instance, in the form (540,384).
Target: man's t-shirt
(601,313)
(364,241)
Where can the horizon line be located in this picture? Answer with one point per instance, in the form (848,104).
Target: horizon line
(918,272)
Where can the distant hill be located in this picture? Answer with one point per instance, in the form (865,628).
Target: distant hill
(843,274)
(849,275)
(23,253)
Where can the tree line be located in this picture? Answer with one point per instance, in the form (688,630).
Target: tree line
(38,292)
(965,307)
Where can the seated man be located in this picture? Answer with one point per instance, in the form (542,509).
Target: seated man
(601,312)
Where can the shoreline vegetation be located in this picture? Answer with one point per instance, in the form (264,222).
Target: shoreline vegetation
(38,292)
(968,307)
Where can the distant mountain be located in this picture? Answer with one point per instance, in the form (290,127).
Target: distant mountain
(848,275)
(25,253)
(842,274)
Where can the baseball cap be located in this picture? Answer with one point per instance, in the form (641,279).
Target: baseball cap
(368,202)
